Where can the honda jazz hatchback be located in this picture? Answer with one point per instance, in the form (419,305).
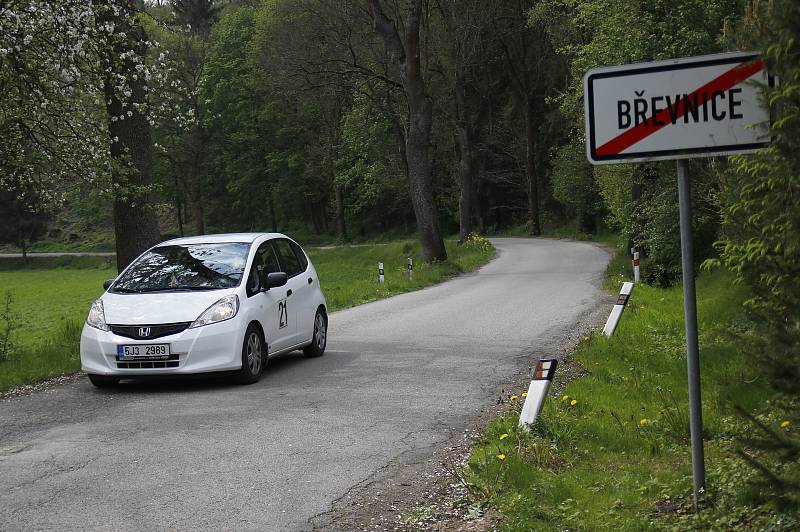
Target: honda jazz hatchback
(206,304)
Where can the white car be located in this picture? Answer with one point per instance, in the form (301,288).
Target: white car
(206,304)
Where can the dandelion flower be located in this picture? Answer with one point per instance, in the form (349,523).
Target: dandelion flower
(514,397)
(503,436)
(785,424)
(565,398)
(524,394)
(644,421)
(501,457)
(573,402)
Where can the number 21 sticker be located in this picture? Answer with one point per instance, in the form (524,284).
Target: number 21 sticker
(283,318)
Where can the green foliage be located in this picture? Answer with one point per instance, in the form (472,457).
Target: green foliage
(762,232)
(574,185)
(369,168)
(616,185)
(641,199)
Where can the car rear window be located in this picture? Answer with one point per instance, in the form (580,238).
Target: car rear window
(291,264)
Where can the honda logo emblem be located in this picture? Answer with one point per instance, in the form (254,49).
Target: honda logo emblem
(144,332)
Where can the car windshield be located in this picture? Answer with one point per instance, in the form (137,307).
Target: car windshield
(185,267)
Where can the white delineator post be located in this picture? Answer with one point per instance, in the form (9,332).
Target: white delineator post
(635,266)
(537,392)
(410,267)
(380,273)
(616,312)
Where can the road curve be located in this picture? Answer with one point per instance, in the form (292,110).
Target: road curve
(399,374)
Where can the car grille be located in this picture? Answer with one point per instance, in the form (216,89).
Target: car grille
(155,331)
(171,362)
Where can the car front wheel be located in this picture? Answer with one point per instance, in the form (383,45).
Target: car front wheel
(320,338)
(253,356)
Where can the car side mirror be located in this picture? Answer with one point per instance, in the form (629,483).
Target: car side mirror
(107,283)
(275,279)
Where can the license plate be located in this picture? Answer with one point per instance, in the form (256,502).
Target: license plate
(139,351)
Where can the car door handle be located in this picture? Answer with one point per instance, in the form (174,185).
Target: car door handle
(288,293)
(310,280)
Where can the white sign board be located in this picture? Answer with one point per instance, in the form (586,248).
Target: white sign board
(676,109)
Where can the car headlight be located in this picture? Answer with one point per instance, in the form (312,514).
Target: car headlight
(97,316)
(222,310)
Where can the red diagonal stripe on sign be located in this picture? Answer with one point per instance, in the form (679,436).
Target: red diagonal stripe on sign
(721,83)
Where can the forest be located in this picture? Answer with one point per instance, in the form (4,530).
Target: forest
(350,120)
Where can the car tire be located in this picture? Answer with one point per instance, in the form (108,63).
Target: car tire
(103,381)
(254,356)
(320,337)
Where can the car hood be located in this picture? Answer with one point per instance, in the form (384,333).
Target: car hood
(158,307)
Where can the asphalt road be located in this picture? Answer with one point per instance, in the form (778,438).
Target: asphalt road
(400,374)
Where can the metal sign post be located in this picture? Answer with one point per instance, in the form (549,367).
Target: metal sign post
(692,346)
(676,110)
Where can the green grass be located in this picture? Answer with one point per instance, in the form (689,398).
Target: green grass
(51,296)
(619,458)
(48,306)
(349,274)
(94,241)
(62,262)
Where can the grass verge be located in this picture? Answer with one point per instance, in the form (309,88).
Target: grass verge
(611,448)
(349,274)
(50,296)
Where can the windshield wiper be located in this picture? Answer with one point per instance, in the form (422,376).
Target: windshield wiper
(121,290)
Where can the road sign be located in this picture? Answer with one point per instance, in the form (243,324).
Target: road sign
(679,109)
(676,109)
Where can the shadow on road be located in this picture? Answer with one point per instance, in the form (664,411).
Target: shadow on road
(165,384)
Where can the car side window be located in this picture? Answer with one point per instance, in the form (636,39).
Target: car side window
(263,263)
(269,260)
(300,256)
(291,265)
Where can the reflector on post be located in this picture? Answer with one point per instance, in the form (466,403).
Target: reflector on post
(537,392)
(616,312)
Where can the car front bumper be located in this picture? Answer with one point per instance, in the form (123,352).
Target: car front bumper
(215,347)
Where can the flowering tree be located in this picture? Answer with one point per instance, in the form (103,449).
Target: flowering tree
(75,88)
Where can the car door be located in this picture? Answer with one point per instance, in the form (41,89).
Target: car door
(271,304)
(297,292)
(308,291)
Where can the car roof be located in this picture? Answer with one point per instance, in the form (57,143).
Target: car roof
(222,238)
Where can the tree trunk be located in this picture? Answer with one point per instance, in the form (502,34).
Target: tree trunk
(199,211)
(531,168)
(341,227)
(465,141)
(135,222)
(466,144)
(198,147)
(420,118)
(272,216)
(178,203)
